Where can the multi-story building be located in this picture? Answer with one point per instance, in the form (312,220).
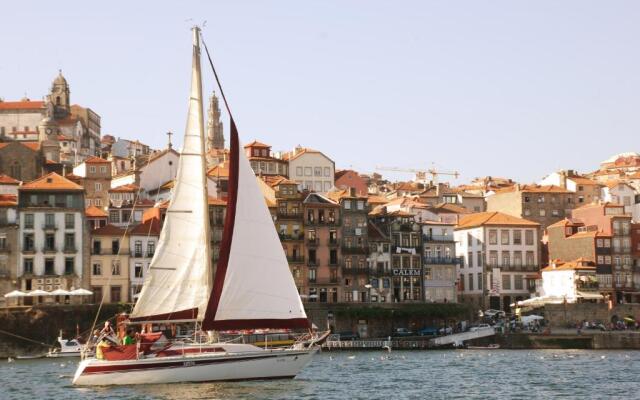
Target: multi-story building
(322,241)
(24,161)
(440,262)
(443,193)
(110,264)
(53,239)
(380,274)
(348,178)
(217,214)
(142,245)
(571,239)
(354,210)
(635,252)
(96,217)
(611,219)
(8,243)
(125,148)
(263,162)
(311,169)
(619,192)
(571,281)
(586,190)
(501,259)
(95,176)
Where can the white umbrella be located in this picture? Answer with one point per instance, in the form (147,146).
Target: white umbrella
(81,292)
(60,292)
(38,292)
(15,293)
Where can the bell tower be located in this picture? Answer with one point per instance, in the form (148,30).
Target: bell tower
(60,97)
(215,134)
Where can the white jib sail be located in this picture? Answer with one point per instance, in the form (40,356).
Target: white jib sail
(179,276)
(258,284)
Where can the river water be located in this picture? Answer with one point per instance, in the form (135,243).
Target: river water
(449,374)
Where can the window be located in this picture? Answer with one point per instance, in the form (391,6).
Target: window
(307,171)
(69,241)
(15,170)
(479,257)
(555,213)
(49,221)
(151,248)
(360,205)
(504,236)
(470,259)
(317,171)
(527,199)
(527,212)
(115,246)
(27,265)
(493,258)
(27,242)
(518,283)
(327,171)
(479,280)
(600,260)
(347,204)
(137,270)
(137,248)
(96,269)
(69,265)
(92,169)
(115,267)
(530,258)
(470,281)
(299,171)
(517,236)
(543,212)
(506,282)
(49,242)
(493,236)
(506,259)
(28,221)
(69,221)
(528,237)
(98,186)
(103,169)
(114,216)
(49,266)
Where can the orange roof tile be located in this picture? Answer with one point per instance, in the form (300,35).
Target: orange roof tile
(217,202)
(376,200)
(220,170)
(128,188)
(51,181)
(150,227)
(96,160)
(95,212)
(493,218)
(534,189)
(579,264)
(8,200)
(108,230)
(21,105)
(7,180)
(255,143)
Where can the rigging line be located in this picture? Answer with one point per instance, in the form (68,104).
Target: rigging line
(215,74)
(26,338)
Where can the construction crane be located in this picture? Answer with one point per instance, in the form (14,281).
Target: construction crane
(421,174)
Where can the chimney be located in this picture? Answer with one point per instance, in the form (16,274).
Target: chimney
(517,187)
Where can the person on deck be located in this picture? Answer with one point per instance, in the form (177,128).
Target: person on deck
(104,343)
(107,330)
(128,338)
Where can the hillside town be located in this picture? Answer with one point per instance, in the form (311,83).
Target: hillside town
(81,213)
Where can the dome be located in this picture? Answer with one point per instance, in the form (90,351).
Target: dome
(60,80)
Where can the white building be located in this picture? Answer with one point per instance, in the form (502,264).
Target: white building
(619,193)
(500,258)
(311,169)
(440,262)
(570,281)
(143,240)
(51,235)
(150,173)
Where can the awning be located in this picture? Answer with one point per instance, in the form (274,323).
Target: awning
(38,292)
(15,293)
(590,296)
(81,292)
(60,292)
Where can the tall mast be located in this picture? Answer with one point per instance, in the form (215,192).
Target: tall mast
(196,94)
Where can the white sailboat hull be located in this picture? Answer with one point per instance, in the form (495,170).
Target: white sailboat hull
(202,367)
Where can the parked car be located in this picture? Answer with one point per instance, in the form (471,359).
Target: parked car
(349,335)
(428,331)
(445,331)
(402,332)
(478,327)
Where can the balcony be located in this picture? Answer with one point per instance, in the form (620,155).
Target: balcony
(515,267)
(49,249)
(354,271)
(333,263)
(286,214)
(322,222)
(28,249)
(312,262)
(442,260)
(333,242)
(438,238)
(587,286)
(311,241)
(395,249)
(70,249)
(149,255)
(354,249)
(137,254)
(49,226)
(5,249)
(291,237)
(297,259)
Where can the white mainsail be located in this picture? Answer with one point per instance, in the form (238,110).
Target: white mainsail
(178,282)
(254,288)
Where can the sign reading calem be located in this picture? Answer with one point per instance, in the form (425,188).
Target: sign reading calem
(405,272)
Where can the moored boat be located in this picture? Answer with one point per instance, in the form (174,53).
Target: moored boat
(252,287)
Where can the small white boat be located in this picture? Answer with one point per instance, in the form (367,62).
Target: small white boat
(68,348)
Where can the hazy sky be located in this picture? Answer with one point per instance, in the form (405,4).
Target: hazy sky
(503,88)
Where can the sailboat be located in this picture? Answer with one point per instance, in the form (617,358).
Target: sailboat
(252,287)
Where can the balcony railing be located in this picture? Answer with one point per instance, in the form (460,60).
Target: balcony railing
(295,259)
(149,255)
(312,262)
(70,249)
(442,260)
(406,249)
(49,226)
(514,267)
(437,238)
(137,254)
(354,270)
(5,249)
(311,241)
(287,236)
(28,249)
(333,263)
(354,249)
(587,286)
(49,249)
(289,214)
(324,222)
(333,242)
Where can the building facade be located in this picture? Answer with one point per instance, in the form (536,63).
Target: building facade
(440,262)
(311,169)
(110,264)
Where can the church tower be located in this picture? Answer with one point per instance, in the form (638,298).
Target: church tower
(215,134)
(60,97)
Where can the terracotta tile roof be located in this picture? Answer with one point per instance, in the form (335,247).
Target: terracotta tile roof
(588,234)
(128,188)
(28,144)
(96,160)
(74,178)
(220,170)
(213,201)
(51,181)
(95,212)
(564,223)
(21,105)
(613,183)
(494,218)
(150,227)
(275,180)
(376,200)
(448,208)
(534,189)
(290,156)
(581,180)
(8,200)
(581,264)
(7,180)
(339,194)
(255,143)
(108,230)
